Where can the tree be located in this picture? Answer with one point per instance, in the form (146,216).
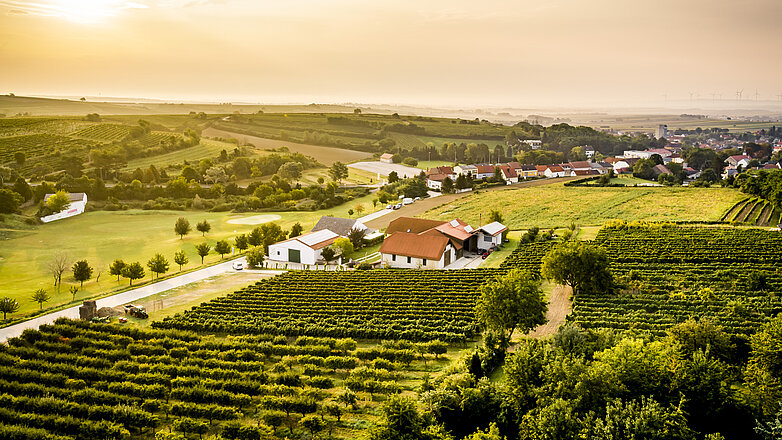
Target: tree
(356,111)
(19,158)
(291,171)
(241,242)
(5,174)
(82,271)
(447,186)
(8,305)
(180,258)
(347,397)
(359,208)
(393,177)
(133,271)
(116,268)
(344,245)
(328,253)
(182,227)
(58,201)
(73,290)
(9,201)
(400,420)
(22,188)
(296,230)
(203,250)
(255,237)
(255,257)
(356,236)
(313,423)
(158,264)
(512,301)
(40,296)
(222,247)
(58,266)
(203,227)
(338,171)
(581,266)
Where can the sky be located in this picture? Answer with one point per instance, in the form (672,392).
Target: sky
(500,53)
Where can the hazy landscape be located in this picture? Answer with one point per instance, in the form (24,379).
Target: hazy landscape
(237,220)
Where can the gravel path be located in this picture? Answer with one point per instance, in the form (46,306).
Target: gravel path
(559,307)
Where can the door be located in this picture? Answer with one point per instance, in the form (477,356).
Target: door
(447,257)
(294,255)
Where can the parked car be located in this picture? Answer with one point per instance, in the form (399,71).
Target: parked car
(416,199)
(397,206)
(238,265)
(407,201)
(389,206)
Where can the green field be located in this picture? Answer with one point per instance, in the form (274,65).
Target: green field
(102,236)
(556,205)
(207,149)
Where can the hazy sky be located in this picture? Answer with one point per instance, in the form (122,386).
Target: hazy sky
(516,53)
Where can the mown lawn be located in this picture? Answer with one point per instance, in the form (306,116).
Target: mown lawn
(134,235)
(559,206)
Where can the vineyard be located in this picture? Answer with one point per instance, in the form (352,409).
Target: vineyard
(755,211)
(104,132)
(379,304)
(80,380)
(728,275)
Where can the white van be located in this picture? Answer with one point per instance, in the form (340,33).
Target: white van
(407,201)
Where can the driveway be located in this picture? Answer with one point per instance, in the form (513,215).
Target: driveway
(124,297)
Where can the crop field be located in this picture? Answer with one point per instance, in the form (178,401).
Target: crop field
(324,155)
(558,206)
(379,304)
(414,141)
(754,211)
(104,132)
(80,380)
(727,275)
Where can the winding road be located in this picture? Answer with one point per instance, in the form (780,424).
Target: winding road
(126,297)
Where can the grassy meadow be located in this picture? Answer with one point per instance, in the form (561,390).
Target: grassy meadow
(134,235)
(558,206)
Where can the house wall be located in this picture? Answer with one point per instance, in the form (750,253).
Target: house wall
(75,208)
(415,263)
(486,241)
(434,184)
(279,252)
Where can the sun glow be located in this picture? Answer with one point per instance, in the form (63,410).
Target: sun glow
(79,11)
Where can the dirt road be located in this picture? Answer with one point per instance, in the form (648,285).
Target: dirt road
(559,307)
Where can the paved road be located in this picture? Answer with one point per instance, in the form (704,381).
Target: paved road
(123,298)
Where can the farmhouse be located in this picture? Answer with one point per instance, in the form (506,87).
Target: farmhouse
(435,181)
(77,206)
(387,158)
(509,174)
(434,244)
(467,170)
(408,250)
(735,161)
(484,171)
(305,249)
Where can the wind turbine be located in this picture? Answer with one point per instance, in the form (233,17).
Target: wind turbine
(779,97)
(691,93)
(738,94)
(756,94)
(713,94)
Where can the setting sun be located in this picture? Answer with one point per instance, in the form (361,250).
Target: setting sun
(79,11)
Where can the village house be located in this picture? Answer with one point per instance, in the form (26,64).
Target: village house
(340,226)
(735,161)
(509,174)
(435,181)
(527,171)
(466,170)
(533,143)
(78,203)
(490,235)
(555,171)
(484,171)
(387,158)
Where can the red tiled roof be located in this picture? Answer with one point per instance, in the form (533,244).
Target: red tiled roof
(457,232)
(580,164)
(406,244)
(413,225)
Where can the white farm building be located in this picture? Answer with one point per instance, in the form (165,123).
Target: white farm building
(304,249)
(77,206)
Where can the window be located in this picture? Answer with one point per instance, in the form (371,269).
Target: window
(393,257)
(487,238)
(409,260)
(424,262)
